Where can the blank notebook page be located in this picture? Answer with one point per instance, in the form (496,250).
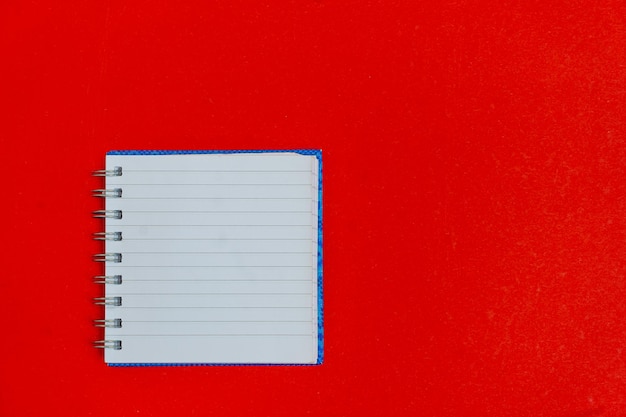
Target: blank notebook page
(218,258)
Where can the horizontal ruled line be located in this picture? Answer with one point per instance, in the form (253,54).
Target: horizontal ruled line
(215,280)
(225,184)
(216,198)
(222,240)
(219,225)
(210,253)
(211,170)
(216,334)
(112,226)
(114,294)
(159,307)
(210,211)
(217,321)
(208,266)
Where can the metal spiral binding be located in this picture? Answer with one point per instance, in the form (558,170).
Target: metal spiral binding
(115,172)
(108,344)
(107,236)
(112,323)
(107,214)
(108,279)
(107,193)
(108,301)
(108,257)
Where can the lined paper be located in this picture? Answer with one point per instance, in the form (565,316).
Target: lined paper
(219,258)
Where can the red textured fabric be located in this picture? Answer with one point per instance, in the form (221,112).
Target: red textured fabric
(475,202)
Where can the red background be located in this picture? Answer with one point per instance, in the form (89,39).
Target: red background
(474,213)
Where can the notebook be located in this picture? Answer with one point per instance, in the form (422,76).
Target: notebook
(211,257)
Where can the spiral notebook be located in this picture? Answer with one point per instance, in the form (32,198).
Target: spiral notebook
(211,257)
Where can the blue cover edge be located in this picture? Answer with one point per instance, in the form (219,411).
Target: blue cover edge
(320,299)
(315,152)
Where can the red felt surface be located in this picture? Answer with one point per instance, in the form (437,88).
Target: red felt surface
(474,213)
